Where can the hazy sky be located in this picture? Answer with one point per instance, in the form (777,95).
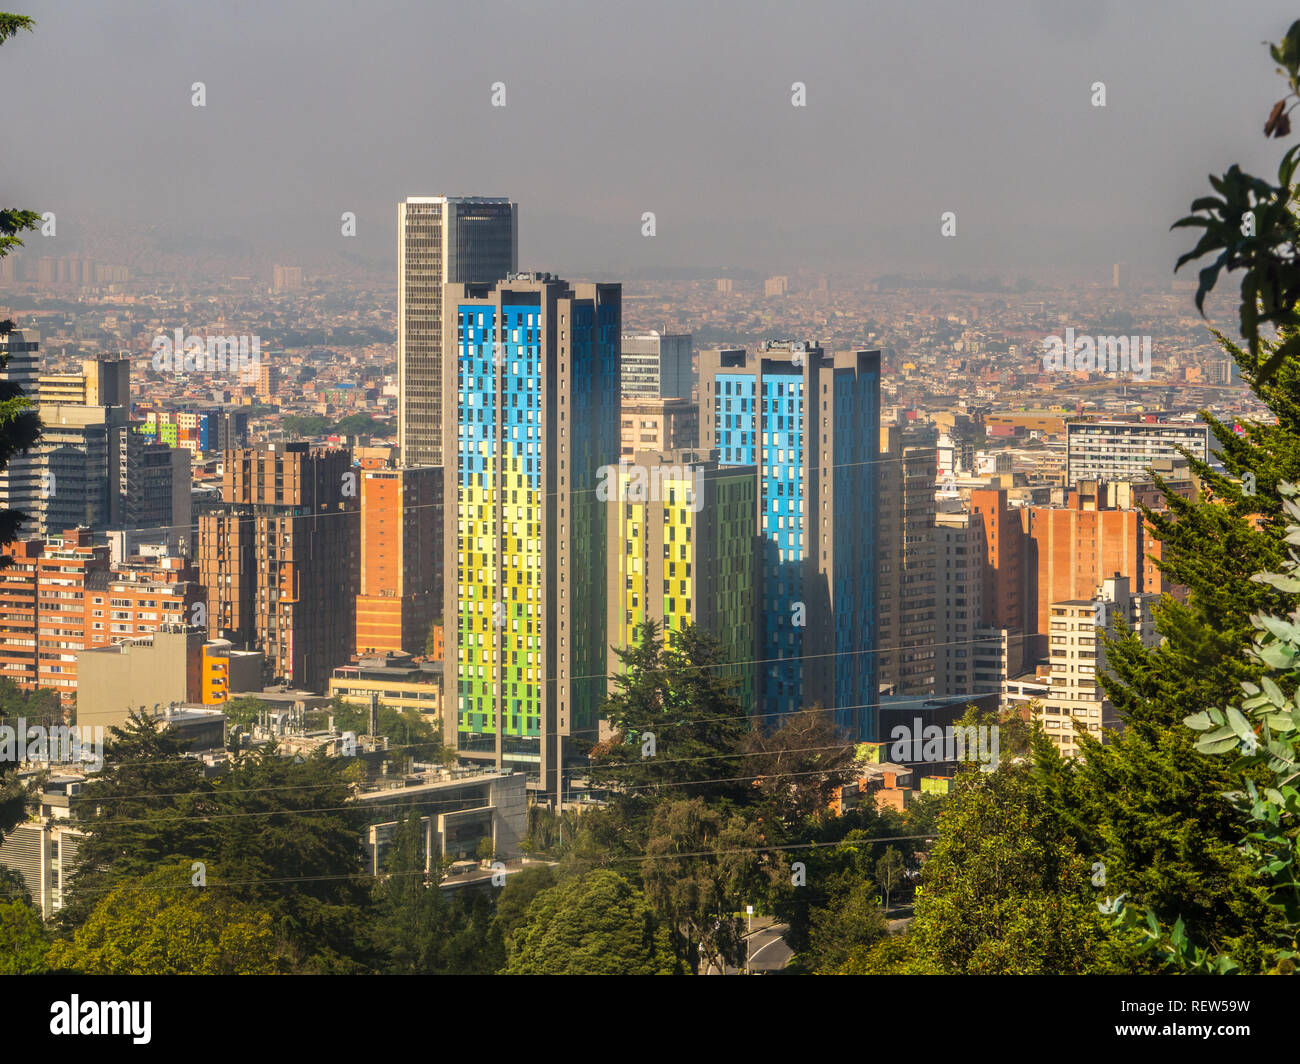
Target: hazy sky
(680,107)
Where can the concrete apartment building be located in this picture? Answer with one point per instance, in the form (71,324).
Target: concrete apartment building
(279,559)
(532,415)
(440,240)
(686,555)
(62,595)
(1075,702)
(906,582)
(959,594)
(43,849)
(401,588)
(809,422)
(654,424)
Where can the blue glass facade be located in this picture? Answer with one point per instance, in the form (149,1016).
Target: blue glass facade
(772,417)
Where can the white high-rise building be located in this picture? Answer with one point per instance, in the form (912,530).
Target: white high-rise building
(20,480)
(1123,450)
(1076,701)
(440,240)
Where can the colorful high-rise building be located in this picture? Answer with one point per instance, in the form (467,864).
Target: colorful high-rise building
(810,423)
(682,550)
(531,417)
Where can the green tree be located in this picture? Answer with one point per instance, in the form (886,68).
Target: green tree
(799,766)
(23,939)
(855,921)
(518,893)
(148,807)
(597,924)
(889,872)
(289,838)
(1261,735)
(411,916)
(1252,226)
(701,868)
(678,727)
(1004,891)
(163,925)
(896,955)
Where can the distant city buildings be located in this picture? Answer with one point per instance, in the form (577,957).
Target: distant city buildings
(286,278)
(63,595)
(20,479)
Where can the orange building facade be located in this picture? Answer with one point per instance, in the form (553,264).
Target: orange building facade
(401,559)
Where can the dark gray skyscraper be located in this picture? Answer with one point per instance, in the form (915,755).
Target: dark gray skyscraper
(440,240)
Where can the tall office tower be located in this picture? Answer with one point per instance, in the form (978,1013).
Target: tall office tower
(401,559)
(959,563)
(1073,548)
(440,240)
(658,425)
(905,559)
(279,558)
(682,549)
(810,423)
(1122,450)
(532,416)
(153,484)
(657,365)
(1076,702)
(20,479)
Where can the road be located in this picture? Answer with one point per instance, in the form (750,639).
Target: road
(768,951)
